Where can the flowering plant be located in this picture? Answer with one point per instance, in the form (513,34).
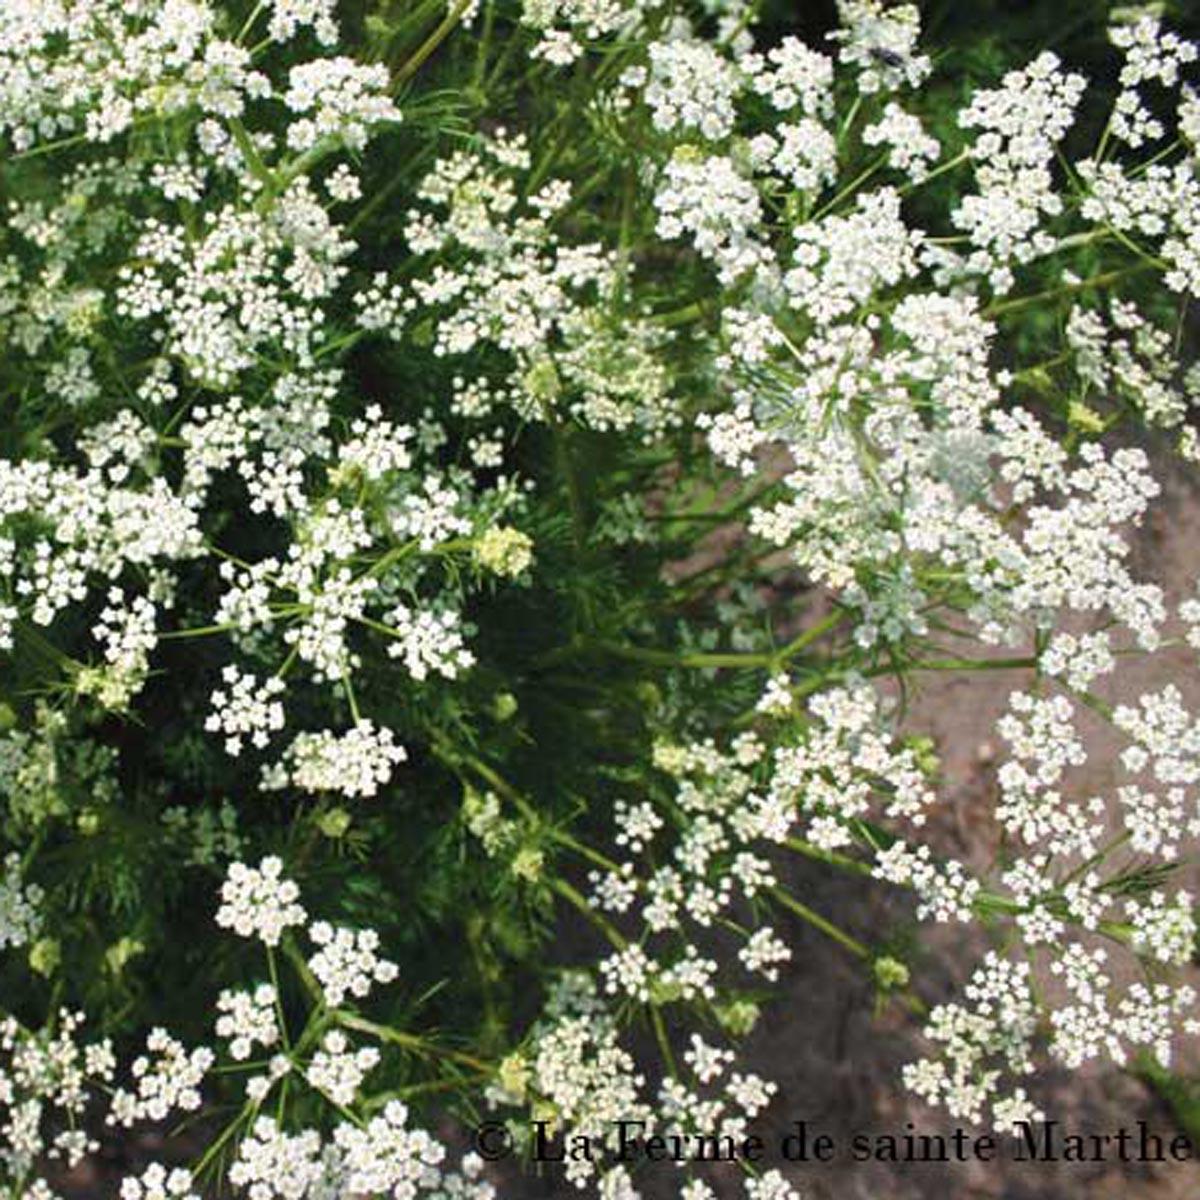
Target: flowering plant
(480,484)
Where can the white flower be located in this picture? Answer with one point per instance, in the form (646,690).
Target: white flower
(157,1183)
(763,952)
(273,1165)
(356,763)
(259,902)
(20,905)
(167,1081)
(337,1070)
(428,641)
(244,706)
(386,1157)
(340,99)
(247,1019)
(347,962)
(691,87)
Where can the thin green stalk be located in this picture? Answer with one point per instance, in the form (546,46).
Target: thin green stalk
(454,756)
(1066,289)
(577,901)
(849,189)
(664,1044)
(843,939)
(432,42)
(800,846)
(409,1041)
(585,851)
(279,1017)
(940,169)
(812,634)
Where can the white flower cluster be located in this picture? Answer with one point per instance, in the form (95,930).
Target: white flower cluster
(356,763)
(274,1165)
(166,1079)
(125,630)
(50,1071)
(338,98)
(994,1034)
(247,1019)
(20,905)
(48,1080)
(1021,122)
(842,261)
(219,300)
(186,297)
(911,151)
(429,642)
(881,43)
(347,963)
(383,1156)
(729,810)
(589,1080)
(157,1183)
(338,1071)
(567,27)
(833,774)
(504,279)
(245,707)
(92,529)
(691,87)
(258,902)
(386,1156)
(581,1075)
(223,260)
(1151,54)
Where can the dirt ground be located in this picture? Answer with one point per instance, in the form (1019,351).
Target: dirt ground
(837,1064)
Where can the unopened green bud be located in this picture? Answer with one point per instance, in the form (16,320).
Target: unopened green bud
(513,1077)
(541,380)
(334,823)
(665,991)
(119,954)
(890,973)
(739,1017)
(925,751)
(44,956)
(688,154)
(1085,418)
(527,863)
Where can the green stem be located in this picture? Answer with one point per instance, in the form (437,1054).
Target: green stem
(453,756)
(811,634)
(409,1041)
(941,169)
(857,948)
(577,901)
(259,169)
(828,856)
(274,972)
(432,42)
(1096,281)
(664,1044)
(585,851)
(849,189)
